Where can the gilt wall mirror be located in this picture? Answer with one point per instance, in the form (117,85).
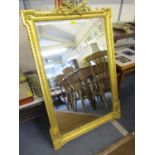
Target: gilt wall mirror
(74,55)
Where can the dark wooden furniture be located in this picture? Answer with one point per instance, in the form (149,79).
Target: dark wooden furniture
(123,71)
(123,36)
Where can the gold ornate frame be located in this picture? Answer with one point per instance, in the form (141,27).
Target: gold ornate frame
(29,18)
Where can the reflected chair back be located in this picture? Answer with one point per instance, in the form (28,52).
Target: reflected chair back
(98,64)
(99,61)
(68,70)
(59,78)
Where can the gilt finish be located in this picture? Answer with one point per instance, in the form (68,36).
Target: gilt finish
(67,12)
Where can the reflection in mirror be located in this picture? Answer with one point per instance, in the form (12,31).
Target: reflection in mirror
(76,64)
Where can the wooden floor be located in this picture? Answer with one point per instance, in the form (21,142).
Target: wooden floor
(69,121)
(125,146)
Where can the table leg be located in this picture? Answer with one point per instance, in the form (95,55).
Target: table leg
(122,76)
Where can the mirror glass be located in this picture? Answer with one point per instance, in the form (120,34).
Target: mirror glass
(75,59)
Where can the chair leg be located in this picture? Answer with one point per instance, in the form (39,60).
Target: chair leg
(93,103)
(74,102)
(67,103)
(83,104)
(71,97)
(98,98)
(103,98)
(90,96)
(105,101)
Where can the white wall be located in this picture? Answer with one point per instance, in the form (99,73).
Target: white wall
(128,11)
(113,4)
(21,6)
(26,62)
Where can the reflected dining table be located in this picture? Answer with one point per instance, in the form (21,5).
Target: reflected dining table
(82,75)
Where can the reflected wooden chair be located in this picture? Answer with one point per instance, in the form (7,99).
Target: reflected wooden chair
(100,81)
(79,92)
(76,86)
(82,75)
(71,95)
(59,80)
(68,71)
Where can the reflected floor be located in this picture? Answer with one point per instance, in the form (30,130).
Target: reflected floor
(69,121)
